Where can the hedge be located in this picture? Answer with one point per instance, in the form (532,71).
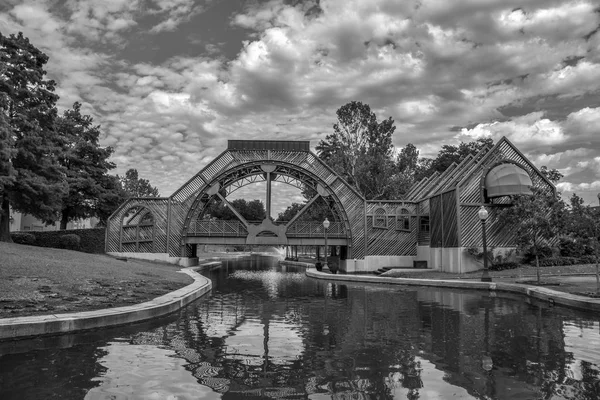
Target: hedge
(91,240)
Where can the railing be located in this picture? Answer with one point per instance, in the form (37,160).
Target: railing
(217,228)
(223,228)
(315,230)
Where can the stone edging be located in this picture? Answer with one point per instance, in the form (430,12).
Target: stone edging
(551,296)
(53,324)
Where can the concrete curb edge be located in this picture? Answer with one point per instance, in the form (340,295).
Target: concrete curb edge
(553,297)
(53,324)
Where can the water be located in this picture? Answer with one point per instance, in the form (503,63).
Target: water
(269,332)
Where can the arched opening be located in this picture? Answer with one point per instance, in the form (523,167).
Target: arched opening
(137,230)
(403,220)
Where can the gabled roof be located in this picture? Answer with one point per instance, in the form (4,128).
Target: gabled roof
(438,183)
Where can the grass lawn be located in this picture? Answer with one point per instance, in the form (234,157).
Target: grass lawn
(38,280)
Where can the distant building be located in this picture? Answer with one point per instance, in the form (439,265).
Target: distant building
(26,222)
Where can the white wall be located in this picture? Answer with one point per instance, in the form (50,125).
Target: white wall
(373,263)
(160,257)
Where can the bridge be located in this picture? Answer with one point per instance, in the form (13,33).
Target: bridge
(171,228)
(435,224)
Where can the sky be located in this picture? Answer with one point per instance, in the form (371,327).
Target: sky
(170,81)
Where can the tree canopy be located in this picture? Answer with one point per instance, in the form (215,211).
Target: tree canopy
(32,179)
(253,210)
(85,164)
(360,149)
(134,186)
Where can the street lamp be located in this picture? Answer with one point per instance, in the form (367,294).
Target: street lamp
(483,215)
(325,226)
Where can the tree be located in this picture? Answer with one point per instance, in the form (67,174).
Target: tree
(455,154)
(85,163)
(535,220)
(110,198)
(553,175)
(583,224)
(360,149)
(134,186)
(32,179)
(251,210)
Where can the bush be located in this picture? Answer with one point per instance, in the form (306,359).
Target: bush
(23,238)
(91,240)
(569,247)
(501,266)
(543,253)
(70,241)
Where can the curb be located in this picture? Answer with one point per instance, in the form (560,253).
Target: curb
(553,297)
(53,324)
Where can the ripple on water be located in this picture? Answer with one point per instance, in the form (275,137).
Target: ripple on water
(146,372)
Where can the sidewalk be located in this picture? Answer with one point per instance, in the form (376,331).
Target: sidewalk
(571,286)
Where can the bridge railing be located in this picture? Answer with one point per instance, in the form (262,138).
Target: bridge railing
(217,228)
(314,229)
(230,228)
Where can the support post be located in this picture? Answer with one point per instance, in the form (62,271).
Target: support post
(485,277)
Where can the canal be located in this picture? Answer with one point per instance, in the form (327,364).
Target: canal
(268,332)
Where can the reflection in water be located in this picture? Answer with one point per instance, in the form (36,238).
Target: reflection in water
(269,332)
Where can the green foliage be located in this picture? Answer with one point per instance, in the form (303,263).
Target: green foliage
(29,141)
(86,165)
(251,210)
(360,149)
(318,211)
(23,238)
(70,241)
(553,175)
(134,186)
(535,221)
(92,240)
(501,266)
(455,154)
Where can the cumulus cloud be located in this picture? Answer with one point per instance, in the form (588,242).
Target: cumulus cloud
(445,71)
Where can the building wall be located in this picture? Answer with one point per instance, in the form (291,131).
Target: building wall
(26,222)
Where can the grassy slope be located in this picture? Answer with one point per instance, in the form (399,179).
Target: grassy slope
(36,280)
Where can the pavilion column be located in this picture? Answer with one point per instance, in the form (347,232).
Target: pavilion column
(268,168)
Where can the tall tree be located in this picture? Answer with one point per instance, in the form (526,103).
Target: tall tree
(85,163)
(583,225)
(535,220)
(135,186)
(32,179)
(360,149)
(110,198)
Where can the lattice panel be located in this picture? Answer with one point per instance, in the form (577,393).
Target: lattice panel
(436,221)
(158,209)
(450,221)
(391,242)
(354,207)
(497,235)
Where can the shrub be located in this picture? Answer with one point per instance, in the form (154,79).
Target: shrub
(70,241)
(569,247)
(501,266)
(543,253)
(23,238)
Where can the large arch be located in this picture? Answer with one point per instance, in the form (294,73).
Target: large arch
(246,162)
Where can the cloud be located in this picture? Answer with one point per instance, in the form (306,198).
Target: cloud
(445,71)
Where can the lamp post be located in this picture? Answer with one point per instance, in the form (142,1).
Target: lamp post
(325,226)
(483,215)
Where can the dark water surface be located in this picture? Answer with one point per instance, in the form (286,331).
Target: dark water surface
(269,332)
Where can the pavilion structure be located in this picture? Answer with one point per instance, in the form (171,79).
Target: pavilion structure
(432,227)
